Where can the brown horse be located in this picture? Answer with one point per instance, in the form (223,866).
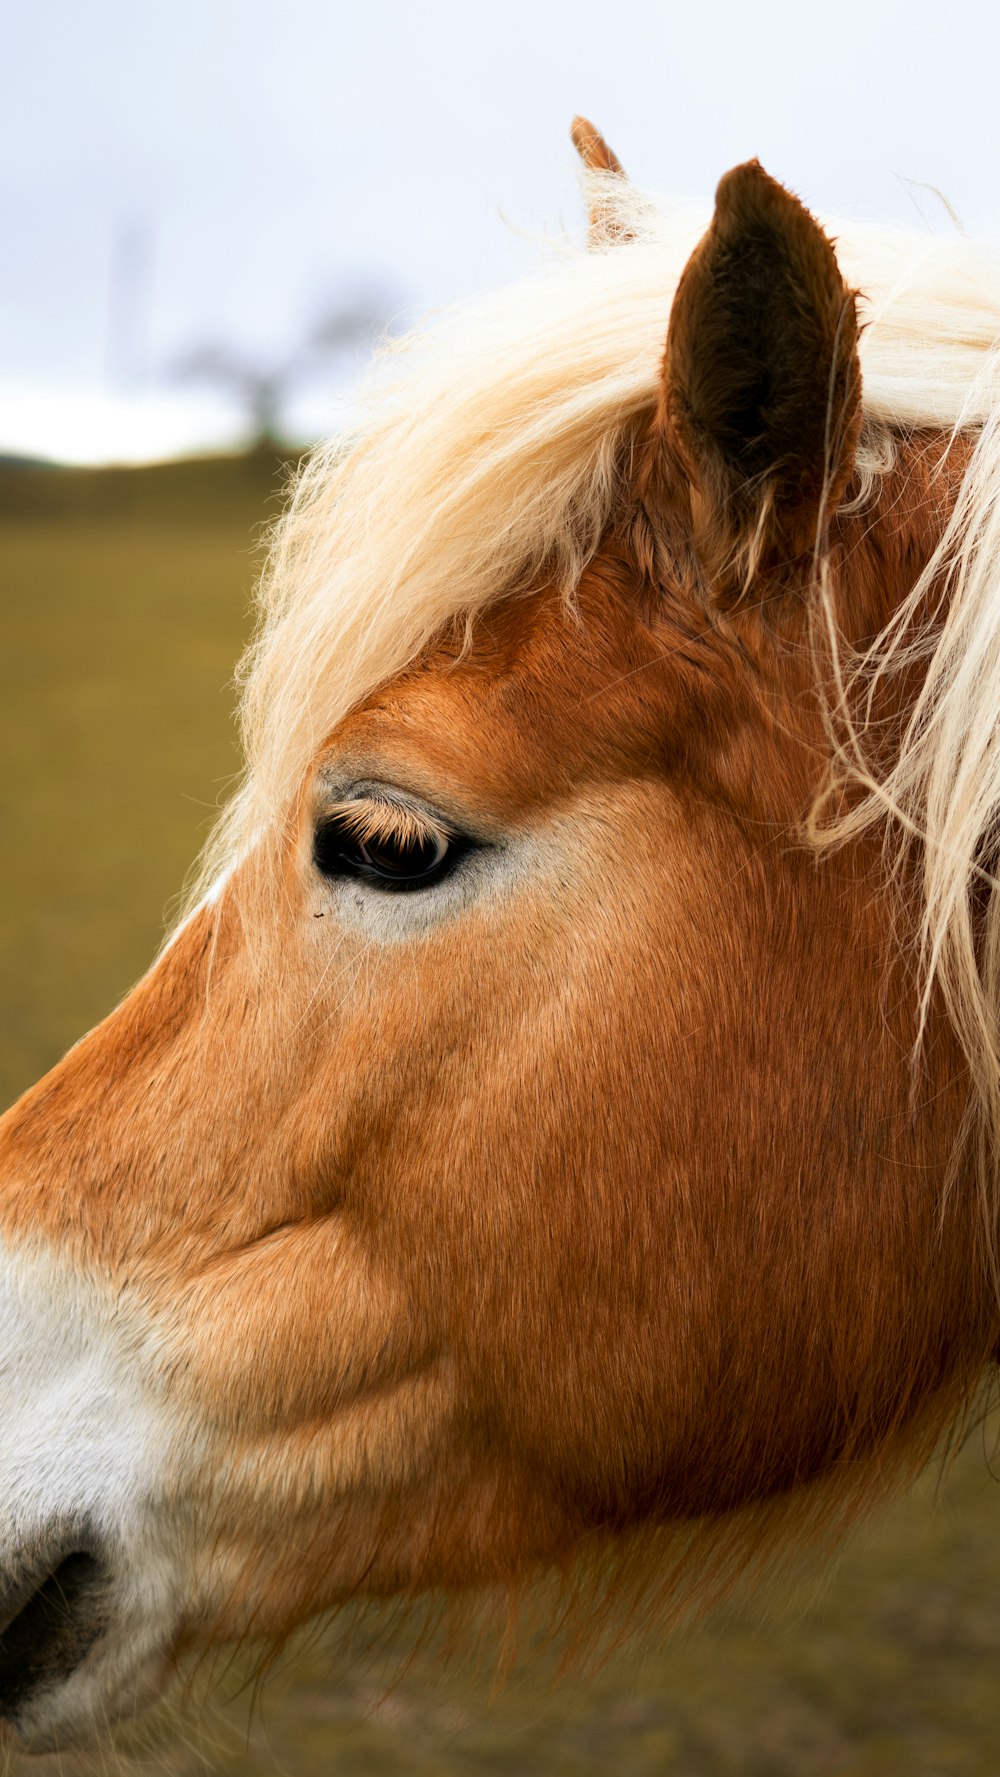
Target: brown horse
(567,1119)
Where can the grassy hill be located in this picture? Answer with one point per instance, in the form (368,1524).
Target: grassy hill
(125,599)
(125,602)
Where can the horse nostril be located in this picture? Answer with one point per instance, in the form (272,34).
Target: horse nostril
(53,1628)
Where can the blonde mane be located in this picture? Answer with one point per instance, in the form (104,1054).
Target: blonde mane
(493,444)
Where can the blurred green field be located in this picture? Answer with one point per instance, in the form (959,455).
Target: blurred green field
(125,599)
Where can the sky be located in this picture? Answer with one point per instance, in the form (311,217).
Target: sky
(212,177)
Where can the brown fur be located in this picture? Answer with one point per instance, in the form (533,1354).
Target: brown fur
(609,1203)
(606,226)
(762,387)
(593,150)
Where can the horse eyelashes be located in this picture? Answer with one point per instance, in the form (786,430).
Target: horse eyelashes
(385,845)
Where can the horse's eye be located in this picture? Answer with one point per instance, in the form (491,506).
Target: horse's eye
(410,859)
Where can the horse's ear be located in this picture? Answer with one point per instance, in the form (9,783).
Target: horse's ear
(599,161)
(761,394)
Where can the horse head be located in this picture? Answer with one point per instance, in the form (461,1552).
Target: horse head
(520,1146)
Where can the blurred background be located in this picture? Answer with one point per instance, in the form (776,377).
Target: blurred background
(208,212)
(207,208)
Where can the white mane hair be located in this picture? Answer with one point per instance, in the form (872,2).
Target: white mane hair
(492,444)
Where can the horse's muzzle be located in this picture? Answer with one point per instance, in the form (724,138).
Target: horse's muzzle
(49,1621)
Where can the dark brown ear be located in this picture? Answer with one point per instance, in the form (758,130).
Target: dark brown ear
(606,226)
(761,396)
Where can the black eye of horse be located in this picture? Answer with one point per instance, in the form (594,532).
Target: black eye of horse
(408,860)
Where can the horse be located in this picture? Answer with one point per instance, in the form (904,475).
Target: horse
(563,1127)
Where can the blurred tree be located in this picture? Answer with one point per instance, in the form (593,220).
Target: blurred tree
(263,388)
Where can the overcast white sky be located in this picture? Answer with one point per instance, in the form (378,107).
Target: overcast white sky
(244,166)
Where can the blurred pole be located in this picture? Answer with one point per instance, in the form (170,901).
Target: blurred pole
(129,304)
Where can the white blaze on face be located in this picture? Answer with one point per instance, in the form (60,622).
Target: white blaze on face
(86,1442)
